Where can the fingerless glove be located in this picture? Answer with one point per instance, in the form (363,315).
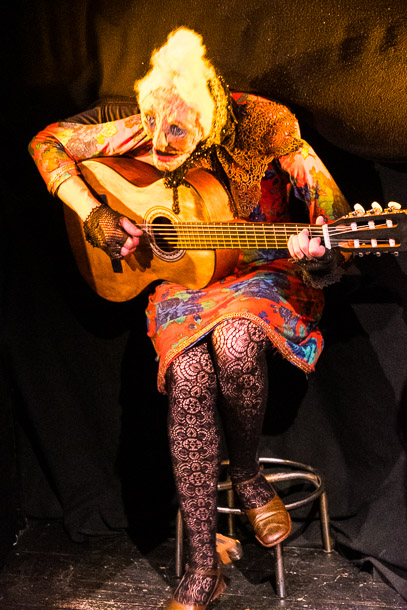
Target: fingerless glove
(103,230)
(321,272)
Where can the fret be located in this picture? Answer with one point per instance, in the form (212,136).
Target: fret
(230,234)
(264,235)
(286,233)
(254,236)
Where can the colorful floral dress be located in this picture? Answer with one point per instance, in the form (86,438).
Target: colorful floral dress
(265,287)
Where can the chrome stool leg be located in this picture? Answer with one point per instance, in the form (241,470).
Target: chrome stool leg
(324,517)
(179,546)
(230,497)
(280,579)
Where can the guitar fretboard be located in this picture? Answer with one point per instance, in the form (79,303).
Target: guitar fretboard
(208,236)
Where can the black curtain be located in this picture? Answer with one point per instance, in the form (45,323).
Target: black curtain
(78,372)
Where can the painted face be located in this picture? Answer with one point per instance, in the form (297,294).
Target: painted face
(173,127)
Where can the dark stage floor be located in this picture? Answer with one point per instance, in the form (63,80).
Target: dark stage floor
(47,571)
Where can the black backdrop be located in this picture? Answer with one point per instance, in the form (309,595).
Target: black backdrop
(78,373)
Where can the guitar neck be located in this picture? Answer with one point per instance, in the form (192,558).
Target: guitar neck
(227,235)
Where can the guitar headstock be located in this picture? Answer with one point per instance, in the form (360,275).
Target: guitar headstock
(378,230)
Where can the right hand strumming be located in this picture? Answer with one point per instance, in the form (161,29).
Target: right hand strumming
(113,233)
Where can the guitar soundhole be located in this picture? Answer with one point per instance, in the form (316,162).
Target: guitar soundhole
(165,236)
(164,239)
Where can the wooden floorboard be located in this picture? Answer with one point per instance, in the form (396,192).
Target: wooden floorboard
(47,571)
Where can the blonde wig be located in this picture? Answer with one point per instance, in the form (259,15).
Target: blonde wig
(180,66)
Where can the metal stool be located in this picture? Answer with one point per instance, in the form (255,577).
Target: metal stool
(294,472)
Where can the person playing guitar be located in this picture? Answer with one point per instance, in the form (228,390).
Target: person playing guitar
(212,341)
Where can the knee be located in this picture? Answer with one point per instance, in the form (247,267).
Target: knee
(192,368)
(239,339)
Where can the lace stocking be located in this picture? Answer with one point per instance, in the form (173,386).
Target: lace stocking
(239,348)
(194,439)
(255,492)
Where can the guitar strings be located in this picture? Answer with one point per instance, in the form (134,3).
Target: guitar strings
(238,235)
(244,228)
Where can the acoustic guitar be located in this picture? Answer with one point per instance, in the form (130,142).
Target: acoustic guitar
(202,243)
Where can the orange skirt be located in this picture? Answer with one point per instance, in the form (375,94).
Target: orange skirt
(270,294)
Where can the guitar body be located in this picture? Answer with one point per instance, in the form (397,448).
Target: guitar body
(202,243)
(136,190)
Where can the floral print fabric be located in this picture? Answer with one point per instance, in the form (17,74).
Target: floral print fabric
(270,294)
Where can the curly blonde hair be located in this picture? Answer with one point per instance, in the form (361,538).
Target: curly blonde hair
(180,67)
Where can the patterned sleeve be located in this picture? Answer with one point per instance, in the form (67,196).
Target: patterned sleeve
(313,183)
(58,148)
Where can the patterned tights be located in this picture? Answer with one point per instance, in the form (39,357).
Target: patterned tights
(233,365)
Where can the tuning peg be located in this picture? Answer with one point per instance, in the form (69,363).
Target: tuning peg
(359,210)
(393,205)
(377,208)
